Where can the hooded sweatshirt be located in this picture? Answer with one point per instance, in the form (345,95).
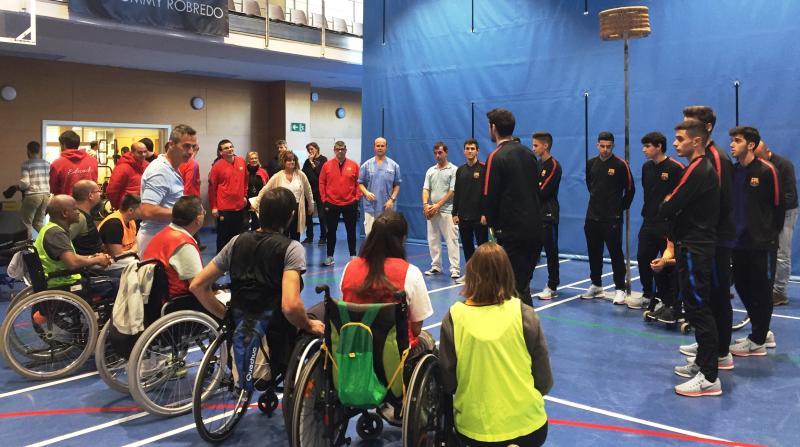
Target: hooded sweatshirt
(125,179)
(73,165)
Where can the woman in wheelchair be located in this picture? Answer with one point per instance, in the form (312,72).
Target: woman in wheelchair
(380,270)
(502,369)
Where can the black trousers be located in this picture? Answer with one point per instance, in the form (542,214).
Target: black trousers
(721,297)
(753,278)
(472,235)
(652,243)
(524,257)
(229,224)
(549,240)
(610,234)
(323,230)
(291,231)
(534,439)
(350,215)
(694,279)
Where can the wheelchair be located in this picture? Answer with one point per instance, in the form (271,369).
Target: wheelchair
(157,366)
(222,396)
(50,333)
(319,418)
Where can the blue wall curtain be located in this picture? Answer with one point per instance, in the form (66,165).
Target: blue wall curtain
(435,61)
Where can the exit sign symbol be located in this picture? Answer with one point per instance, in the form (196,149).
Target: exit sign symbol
(298,127)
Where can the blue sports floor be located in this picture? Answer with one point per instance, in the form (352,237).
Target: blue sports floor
(613,381)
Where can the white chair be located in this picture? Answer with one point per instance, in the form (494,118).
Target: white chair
(358,29)
(251,8)
(276,13)
(299,17)
(318,21)
(340,25)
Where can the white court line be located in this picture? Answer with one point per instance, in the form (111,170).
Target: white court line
(88,430)
(774,315)
(631,419)
(48,384)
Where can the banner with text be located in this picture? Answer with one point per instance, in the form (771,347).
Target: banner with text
(198,16)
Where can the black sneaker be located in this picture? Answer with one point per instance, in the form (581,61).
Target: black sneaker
(307,240)
(323,241)
(667,315)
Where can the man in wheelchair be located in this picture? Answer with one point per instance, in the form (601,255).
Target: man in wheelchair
(58,255)
(265,268)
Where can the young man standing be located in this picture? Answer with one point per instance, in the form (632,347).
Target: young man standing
(512,211)
(789,196)
(312,169)
(693,209)
(162,184)
(468,201)
(35,186)
(338,190)
(73,165)
(611,191)
(227,193)
(437,207)
(758,213)
(660,175)
(379,181)
(549,181)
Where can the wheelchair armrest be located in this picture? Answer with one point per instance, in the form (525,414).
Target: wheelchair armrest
(60,273)
(123,256)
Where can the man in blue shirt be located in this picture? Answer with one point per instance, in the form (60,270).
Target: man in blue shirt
(162,184)
(379,182)
(437,206)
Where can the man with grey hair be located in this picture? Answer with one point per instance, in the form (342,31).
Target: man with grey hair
(162,184)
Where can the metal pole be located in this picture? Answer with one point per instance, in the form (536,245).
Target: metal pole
(382,121)
(736,87)
(266,26)
(472,118)
(586,128)
(324,25)
(383,30)
(627,160)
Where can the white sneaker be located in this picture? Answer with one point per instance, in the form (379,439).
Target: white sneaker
(461,280)
(432,271)
(593,292)
(769,343)
(723,363)
(689,350)
(455,274)
(547,294)
(698,386)
(747,348)
(634,301)
(620,298)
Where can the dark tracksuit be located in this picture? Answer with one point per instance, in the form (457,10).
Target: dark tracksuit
(658,180)
(549,181)
(693,211)
(611,191)
(468,207)
(312,173)
(512,209)
(758,213)
(721,286)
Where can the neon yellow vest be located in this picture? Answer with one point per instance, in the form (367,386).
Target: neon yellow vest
(52,265)
(495,399)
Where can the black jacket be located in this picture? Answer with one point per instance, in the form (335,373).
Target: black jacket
(549,181)
(724,168)
(611,189)
(512,207)
(693,208)
(468,198)
(787,178)
(757,205)
(313,173)
(658,180)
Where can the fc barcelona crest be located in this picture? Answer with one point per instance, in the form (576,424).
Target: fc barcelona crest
(611,171)
(753,181)
(665,176)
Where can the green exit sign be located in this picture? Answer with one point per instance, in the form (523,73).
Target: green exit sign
(298,127)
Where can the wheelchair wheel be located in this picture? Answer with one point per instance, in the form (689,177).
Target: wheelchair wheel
(218,403)
(369,426)
(164,361)
(421,409)
(305,347)
(28,290)
(48,335)
(317,419)
(112,367)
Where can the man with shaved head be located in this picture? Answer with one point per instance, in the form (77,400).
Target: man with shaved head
(379,182)
(127,175)
(54,247)
(83,232)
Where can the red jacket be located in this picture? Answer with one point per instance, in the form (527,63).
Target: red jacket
(339,186)
(73,165)
(126,178)
(227,185)
(190,172)
(163,245)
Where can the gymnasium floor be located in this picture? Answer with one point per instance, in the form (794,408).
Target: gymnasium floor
(613,382)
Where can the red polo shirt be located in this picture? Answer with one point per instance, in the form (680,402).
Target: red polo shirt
(227,185)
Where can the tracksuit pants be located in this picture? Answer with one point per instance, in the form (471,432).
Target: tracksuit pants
(608,233)
(753,277)
(694,279)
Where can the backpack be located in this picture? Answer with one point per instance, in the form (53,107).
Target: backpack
(359,386)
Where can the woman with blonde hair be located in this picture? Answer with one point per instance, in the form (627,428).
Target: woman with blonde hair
(293,179)
(494,359)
